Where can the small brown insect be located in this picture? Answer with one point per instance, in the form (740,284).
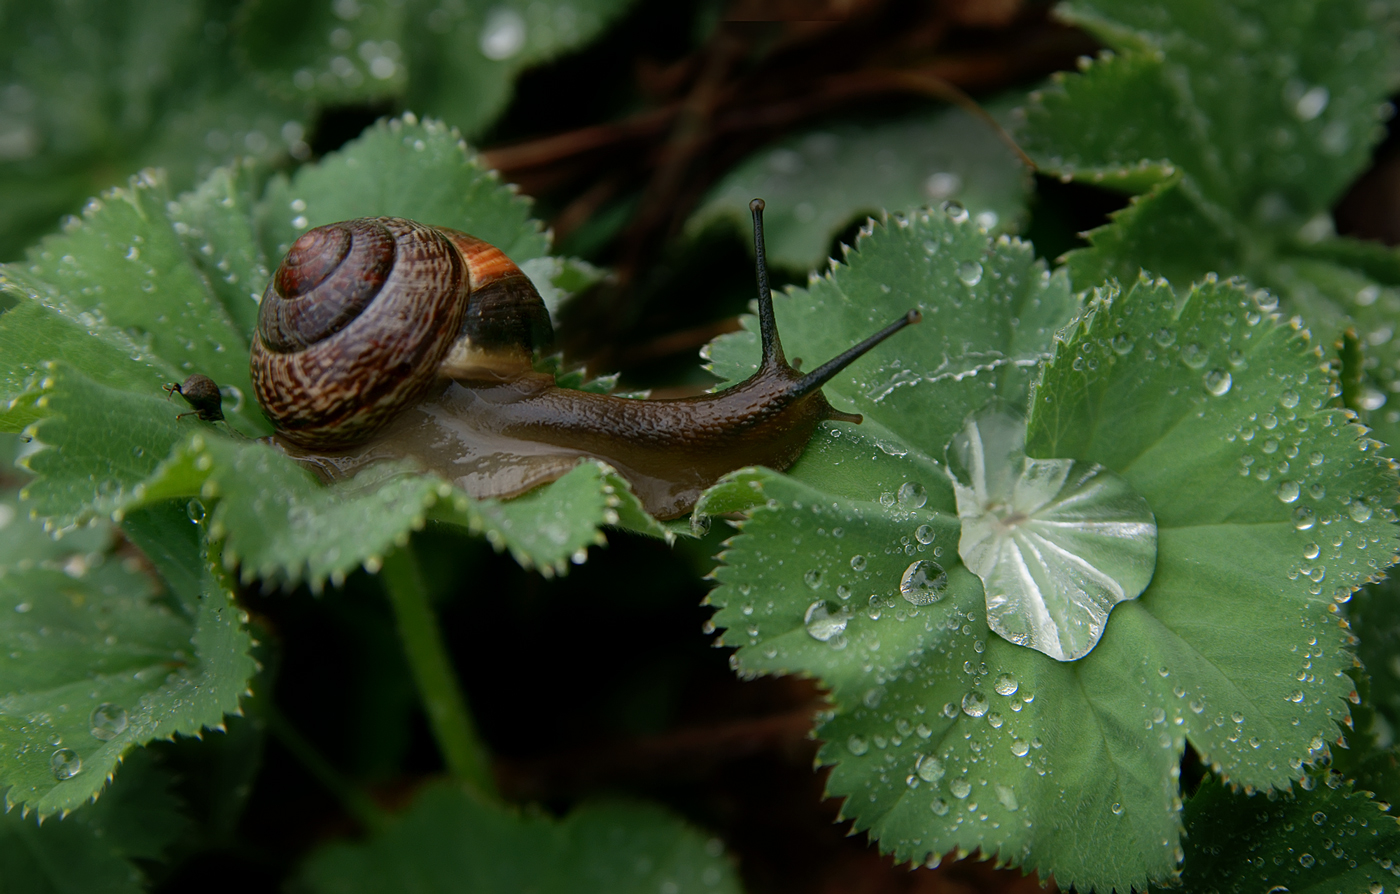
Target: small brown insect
(201,393)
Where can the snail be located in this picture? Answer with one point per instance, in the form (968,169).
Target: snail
(382,338)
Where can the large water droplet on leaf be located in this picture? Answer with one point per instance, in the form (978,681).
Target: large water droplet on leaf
(924,582)
(1056,542)
(107,721)
(822,625)
(65,764)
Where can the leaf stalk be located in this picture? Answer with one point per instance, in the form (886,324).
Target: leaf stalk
(463,752)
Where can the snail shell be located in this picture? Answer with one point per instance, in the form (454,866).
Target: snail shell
(360,316)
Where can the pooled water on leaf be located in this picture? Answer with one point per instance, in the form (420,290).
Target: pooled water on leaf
(1056,542)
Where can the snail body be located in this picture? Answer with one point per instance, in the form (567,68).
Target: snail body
(382,338)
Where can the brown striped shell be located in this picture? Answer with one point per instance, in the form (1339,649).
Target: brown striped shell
(360,316)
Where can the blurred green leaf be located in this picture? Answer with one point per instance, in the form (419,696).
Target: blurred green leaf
(92,850)
(449,841)
(456,61)
(94,88)
(819,182)
(1310,842)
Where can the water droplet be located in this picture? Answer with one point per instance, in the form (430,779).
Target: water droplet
(1359,511)
(822,625)
(1164,337)
(924,534)
(1306,861)
(931,769)
(1312,103)
(195,510)
(1288,400)
(1193,356)
(974,703)
(1319,818)
(65,764)
(1218,382)
(503,35)
(1007,797)
(1020,748)
(1122,344)
(912,495)
(1288,491)
(813,579)
(857,562)
(994,720)
(960,787)
(939,806)
(1296,696)
(1237,716)
(1006,685)
(924,582)
(107,721)
(970,272)
(857,746)
(1303,518)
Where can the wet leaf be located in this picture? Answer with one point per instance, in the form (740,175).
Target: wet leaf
(1311,842)
(946,738)
(97,88)
(989,310)
(123,275)
(449,841)
(110,439)
(456,61)
(96,663)
(92,850)
(819,182)
(402,168)
(1240,126)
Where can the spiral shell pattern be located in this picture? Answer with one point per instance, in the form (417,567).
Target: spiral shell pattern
(353,326)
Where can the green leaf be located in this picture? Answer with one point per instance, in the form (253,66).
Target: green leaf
(123,275)
(92,850)
(113,447)
(100,443)
(1200,85)
(817,183)
(946,738)
(1312,842)
(96,88)
(97,664)
(455,61)
(1242,124)
(448,841)
(989,309)
(402,168)
(1375,616)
